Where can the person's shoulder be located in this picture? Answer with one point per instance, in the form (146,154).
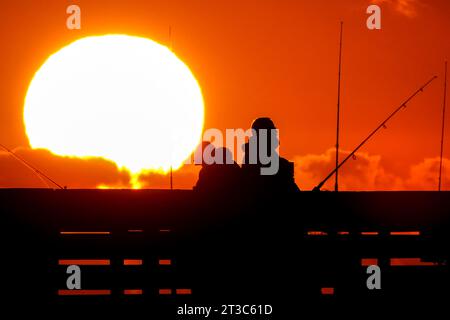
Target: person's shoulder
(286,164)
(286,167)
(285,161)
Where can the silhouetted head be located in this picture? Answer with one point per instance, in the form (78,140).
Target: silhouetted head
(263,123)
(266,124)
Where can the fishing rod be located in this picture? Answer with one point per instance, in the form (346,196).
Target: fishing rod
(382,125)
(336,184)
(39,173)
(443,127)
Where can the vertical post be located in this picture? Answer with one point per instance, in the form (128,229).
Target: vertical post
(443,127)
(336,184)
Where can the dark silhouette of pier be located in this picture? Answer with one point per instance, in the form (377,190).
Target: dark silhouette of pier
(158,249)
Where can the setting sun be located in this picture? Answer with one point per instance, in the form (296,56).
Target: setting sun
(123,98)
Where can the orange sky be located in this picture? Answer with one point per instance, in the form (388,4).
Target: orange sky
(274,58)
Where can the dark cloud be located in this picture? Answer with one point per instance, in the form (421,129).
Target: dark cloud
(366,172)
(67,171)
(183,178)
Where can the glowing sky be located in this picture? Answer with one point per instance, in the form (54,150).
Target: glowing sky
(254,58)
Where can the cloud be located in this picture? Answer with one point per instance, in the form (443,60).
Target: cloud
(66,171)
(82,172)
(367,173)
(425,175)
(183,178)
(407,8)
(364,172)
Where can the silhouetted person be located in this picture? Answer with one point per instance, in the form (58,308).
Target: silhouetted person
(264,142)
(223,176)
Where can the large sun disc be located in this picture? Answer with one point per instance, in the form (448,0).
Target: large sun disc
(123,98)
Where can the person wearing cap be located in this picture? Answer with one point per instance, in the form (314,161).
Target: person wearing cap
(263,144)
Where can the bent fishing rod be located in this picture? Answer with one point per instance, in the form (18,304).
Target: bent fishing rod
(382,125)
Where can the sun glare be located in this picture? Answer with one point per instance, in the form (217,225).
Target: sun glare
(123,98)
